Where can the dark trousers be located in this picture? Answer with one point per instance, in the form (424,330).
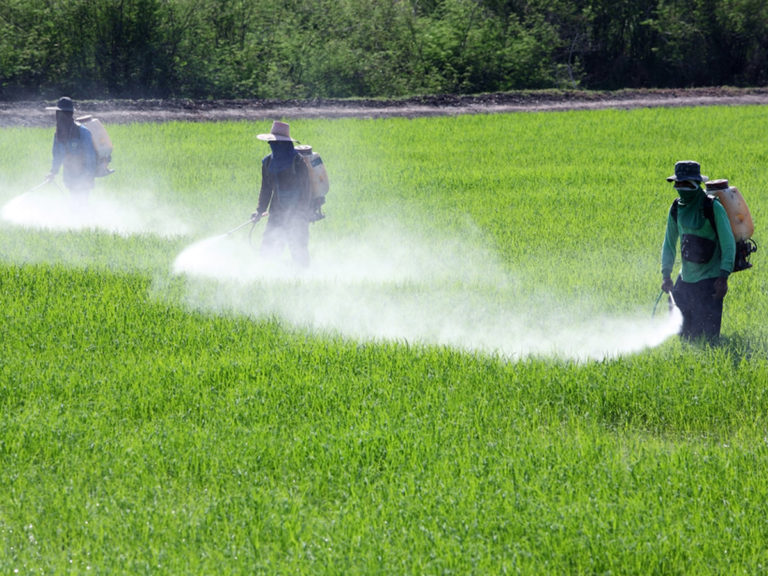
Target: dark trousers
(702,312)
(80,190)
(287,229)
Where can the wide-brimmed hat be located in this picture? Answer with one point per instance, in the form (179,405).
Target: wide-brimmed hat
(280,131)
(64,104)
(687,170)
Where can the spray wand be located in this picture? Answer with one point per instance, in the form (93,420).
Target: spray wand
(35,188)
(253,220)
(43,183)
(671,302)
(236,228)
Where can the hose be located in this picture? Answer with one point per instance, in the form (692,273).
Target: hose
(657,303)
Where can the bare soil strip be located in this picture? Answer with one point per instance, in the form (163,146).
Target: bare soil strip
(33,113)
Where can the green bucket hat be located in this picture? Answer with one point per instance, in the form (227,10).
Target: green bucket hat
(687,170)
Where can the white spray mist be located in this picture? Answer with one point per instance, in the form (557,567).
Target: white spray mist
(391,284)
(57,210)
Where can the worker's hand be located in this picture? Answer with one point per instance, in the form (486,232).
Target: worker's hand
(256,216)
(667,285)
(721,288)
(49,177)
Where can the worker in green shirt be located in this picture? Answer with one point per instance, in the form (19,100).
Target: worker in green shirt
(707,250)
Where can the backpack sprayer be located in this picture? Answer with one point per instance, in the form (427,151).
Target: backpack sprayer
(740,219)
(102,144)
(318,180)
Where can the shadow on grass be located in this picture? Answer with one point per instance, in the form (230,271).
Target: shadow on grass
(742,348)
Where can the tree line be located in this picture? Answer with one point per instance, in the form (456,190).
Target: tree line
(94,49)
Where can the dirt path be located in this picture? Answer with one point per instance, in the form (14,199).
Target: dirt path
(33,113)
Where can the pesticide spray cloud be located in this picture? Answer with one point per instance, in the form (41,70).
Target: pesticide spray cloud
(390,284)
(57,210)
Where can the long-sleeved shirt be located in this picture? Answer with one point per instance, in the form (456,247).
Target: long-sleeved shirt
(692,220)
(78,156)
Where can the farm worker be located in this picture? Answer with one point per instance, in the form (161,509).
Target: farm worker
(284,197)
(73,149)
(707,254)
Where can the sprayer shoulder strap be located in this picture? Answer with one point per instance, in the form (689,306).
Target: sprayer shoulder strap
(709,211)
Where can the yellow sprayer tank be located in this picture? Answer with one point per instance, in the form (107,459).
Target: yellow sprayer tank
(735,206)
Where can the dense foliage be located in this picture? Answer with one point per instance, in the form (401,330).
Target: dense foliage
(373,48)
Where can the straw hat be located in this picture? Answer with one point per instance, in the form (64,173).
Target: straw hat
(280,131)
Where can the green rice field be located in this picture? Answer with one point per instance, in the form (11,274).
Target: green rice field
(475,375)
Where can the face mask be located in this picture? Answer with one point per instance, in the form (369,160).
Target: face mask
(282,155)
(687,191)
(685,185)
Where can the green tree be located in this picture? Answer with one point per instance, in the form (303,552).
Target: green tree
(373,48)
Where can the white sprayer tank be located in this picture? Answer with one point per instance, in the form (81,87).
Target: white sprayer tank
(735,206)
(318,177)
(101,143)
